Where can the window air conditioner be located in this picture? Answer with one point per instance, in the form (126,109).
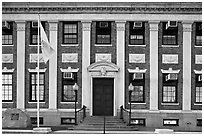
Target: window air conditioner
(5,24)
(34,24)
(103,24)
(171,24)
(138,76)
(137,25)
(200,78)
(171,77)
(68,75)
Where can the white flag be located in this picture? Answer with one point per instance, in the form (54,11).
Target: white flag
(47,50)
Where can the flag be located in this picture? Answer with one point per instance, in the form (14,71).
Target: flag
(47,50)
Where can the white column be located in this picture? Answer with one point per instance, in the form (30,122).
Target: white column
(153,65)
(120,81)
(187,28)
(53,66)
(20,64)
(86,81)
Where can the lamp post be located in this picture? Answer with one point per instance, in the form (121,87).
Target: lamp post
(75,88)
(130,89)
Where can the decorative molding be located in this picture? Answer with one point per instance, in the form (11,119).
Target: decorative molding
(86,25)
(198,59)
(7,58)
(198,71)
(153,25)
(136,58)
(70,57)
(20,28)
(103,57)
(137,70)
(120,25)
(7,70)
(34,58)
(103,66)
(170,58)
(20,25)
(69,69)
(36,70)
(170,70)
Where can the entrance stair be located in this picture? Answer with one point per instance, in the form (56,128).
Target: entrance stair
(96,123)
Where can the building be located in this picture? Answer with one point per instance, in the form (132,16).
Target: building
(105,47)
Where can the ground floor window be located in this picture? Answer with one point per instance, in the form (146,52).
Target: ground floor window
(169,94)
(68,93)
(7,89)
(198,95)
(34,89)
(138,94)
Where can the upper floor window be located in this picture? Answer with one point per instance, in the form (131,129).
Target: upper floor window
(138,81)
(170,33)
(68,80)
(34,32)
(198,34)
(34,89)
(70,32)
(169,91)
(103,32)
(198,88)
(7,87)
(7,33)
(137,33)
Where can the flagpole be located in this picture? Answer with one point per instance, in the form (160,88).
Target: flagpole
(38,75)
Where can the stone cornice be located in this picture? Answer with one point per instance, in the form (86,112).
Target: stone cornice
(95,8)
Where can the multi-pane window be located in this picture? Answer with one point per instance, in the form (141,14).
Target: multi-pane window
(68,80)
(137,33)
(7,89)
(34,32)
(7,33)
(34,86)
(198,34)
(170,33)
(103,32)
(198,89)
(138,94)
(70,32)
(169,90)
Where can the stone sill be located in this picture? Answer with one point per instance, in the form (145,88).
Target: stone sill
(103,45)
(169,103)
(69,45)
(131,45)
(7,45)
(136,103)
(169,46)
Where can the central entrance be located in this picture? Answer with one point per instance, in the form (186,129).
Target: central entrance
(103,96)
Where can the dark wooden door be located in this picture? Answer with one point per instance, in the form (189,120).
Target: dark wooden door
(103,96)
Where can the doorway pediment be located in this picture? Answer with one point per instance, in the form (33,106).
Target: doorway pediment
(103,66)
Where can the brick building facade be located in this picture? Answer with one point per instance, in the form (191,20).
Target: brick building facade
(156,46)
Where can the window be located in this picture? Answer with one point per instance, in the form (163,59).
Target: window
(65,121)
(199,122)
(137,33)
(169,92)
(68,94)
(7,33)
(139,122)
(70,33)
(34,120)
(198,88)
(34,32)
(7,87)
(198,33)
(170,34)
(138,94)
(170,122)
(33,87)
(103,32)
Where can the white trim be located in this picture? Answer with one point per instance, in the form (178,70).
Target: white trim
(68,102)
(69,69)
(36,102)
(198,104)
(36,70)
(6,102)
(103,45)
(136,103)
(198,71)
(137,70)
(33,45)
(170,70)
(6,45)
(198,46)
(7,70)
(169,103)
(135,45)
(170,45)
(69,45)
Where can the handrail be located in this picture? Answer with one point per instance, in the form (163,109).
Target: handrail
(124,114)
(81,115)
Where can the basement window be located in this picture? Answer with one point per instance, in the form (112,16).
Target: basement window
(137,121)
(66,121)
(199,122)
(34,120)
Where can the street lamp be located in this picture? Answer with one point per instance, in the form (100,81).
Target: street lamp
(75,88)
(130,89)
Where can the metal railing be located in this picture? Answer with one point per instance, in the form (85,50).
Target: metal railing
(124,115)
(81,114)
